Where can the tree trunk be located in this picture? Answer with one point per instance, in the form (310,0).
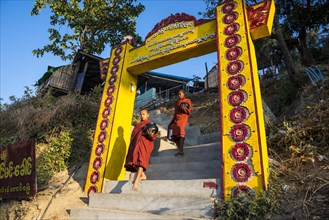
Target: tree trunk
(306,55)
(269,117)
(289,62)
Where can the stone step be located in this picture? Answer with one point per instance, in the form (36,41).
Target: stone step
(197,187)
(209,138)
(184,175)
(188,157)
(159,204)
(202,148)
(162,145)
(180,165)
(100,214)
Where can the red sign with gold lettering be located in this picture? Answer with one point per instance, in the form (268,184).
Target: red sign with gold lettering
(17,170)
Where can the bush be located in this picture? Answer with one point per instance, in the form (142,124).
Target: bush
(250,206)
(55,157)
(64,125)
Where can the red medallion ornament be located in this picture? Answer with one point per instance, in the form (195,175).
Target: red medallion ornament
(110,90)
(102,136)
(97,163)
(92,189)
(231,29)
(112,80)
(240,132)
(104,124)
(236,82)
(239,114)
(108,101)
(233,53)
(240,151)
(106,112)
(241,172)
(114,69)
(99,149)
(232,41)
(237,98)
(116,60)
(241,189)
(229,7)
(230,18)
(118,51)
(234,67)
(94,177)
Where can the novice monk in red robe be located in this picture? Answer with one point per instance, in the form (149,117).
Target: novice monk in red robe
(178,123)
(140,149)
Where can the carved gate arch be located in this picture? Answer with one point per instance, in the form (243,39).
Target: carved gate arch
(175,39)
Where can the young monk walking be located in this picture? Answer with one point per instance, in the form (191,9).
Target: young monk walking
(178,123)
(140,148)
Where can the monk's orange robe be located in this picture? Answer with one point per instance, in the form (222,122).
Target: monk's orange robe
(180,118)
(140,148)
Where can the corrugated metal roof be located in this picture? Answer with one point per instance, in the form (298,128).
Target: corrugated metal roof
(176,77)
(80,52)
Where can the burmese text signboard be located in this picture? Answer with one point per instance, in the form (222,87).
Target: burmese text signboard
(17,170)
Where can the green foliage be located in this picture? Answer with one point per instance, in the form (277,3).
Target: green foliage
(41,117)
(93,24)
(62,125)
(13,99)
(55,157)
(285,90)
(279,92)
(321,53)
(300,26)
(268,52)
(5,141)
(250,206)
(136,119)
(301,21)
(212,4)
(81,146)
(28,93)
(302,14)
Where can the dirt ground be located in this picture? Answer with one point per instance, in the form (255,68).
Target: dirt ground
(205,111)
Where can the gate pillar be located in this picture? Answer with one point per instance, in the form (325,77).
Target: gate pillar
(243,138)
(113,128)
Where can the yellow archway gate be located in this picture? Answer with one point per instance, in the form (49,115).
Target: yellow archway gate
(175,39)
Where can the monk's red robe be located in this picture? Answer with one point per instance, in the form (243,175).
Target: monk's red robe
(140,148)
(180,118)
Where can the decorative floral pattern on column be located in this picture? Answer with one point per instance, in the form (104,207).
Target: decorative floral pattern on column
(241,152)
(258,16)
(101,134)
(241,189)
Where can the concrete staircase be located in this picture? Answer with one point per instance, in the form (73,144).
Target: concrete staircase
(176,188)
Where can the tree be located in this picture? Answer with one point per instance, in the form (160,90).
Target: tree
(293,20)
(195,80)
(90,25)
(293,71)
(287,58)
(301,18)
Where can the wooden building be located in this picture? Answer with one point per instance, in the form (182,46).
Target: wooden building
(211,79)
(82,75)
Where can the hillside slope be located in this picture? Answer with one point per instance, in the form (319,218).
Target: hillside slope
(298,150)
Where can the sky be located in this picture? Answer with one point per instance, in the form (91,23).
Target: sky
(21,33)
